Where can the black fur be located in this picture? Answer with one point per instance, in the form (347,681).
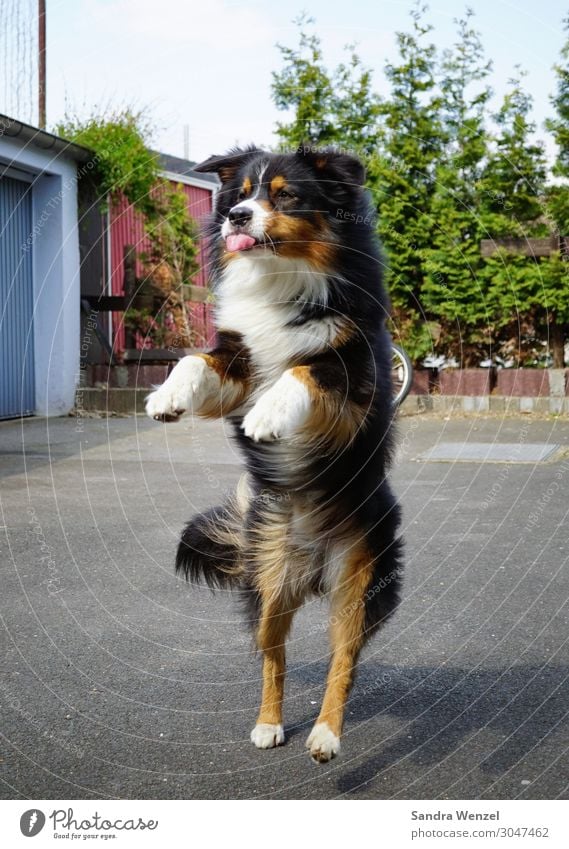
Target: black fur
(203,555)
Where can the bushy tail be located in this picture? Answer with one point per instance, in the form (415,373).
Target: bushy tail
(211,546)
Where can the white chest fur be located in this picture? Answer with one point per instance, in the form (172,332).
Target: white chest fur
(259,296)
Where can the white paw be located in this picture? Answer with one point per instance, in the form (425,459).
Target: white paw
(279,412)
(185,389)
(266,736)
(323,743)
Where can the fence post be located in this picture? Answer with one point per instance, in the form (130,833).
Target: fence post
(129,287)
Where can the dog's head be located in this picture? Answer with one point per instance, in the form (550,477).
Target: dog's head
(291,205)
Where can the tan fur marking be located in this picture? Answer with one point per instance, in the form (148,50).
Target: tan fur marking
(277,183)
(247,185)
(273,629)
(319,254)
(283,227)
(335,419)
(302,239)
(346,331)
(278,605)
(231,392)
(215,364)
(347,618)
(272,551)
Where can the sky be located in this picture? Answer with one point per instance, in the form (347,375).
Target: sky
(208,64)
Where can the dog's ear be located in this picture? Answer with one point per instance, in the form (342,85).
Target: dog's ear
(333,164)
(227,165)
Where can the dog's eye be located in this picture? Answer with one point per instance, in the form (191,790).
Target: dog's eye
(242,195)
(284,194)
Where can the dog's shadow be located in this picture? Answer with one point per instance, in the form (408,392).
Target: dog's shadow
(441,708)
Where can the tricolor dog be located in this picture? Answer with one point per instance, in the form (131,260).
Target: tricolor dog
(302,371)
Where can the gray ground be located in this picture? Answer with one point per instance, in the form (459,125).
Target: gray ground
(117,680)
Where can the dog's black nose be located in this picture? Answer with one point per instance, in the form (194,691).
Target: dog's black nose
(240,215)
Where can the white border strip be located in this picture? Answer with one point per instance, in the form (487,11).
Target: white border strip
(440,824)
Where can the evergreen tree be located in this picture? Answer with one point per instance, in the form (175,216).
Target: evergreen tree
(453,290)
(441,181)
(512,190)
(514,177)
(402,176)
(356,107)
(328,108)
(304,86)
(557,210)
(559,127)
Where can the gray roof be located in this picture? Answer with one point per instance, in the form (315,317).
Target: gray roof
(12,128)
(184,167)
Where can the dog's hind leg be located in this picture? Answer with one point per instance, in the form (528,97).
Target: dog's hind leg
(347,631)
(364,594)
(347,635)
(273,627)
(274,596)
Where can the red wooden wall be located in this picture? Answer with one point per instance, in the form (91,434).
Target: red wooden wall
(127,229)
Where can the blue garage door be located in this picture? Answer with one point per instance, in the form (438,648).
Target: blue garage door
(16,300)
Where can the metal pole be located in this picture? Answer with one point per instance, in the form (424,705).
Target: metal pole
(186,141)
(41,63)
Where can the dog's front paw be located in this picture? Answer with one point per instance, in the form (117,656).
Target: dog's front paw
(182,391)
(323,743)
(266,736)
(279,412)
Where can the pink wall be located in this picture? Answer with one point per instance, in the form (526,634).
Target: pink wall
(127,229)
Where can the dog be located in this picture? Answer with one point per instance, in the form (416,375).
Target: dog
(302,371)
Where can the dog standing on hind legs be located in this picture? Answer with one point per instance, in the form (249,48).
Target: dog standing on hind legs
(302,371)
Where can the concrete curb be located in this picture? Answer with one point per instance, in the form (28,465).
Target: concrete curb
(130,401)
(499,404)
(110,401)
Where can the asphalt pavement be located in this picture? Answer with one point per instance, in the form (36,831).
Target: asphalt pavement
(117,680)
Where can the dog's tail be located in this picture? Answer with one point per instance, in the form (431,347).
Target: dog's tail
(211,547)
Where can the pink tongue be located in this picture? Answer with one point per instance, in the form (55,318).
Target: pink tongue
(239,242)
